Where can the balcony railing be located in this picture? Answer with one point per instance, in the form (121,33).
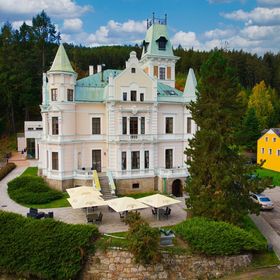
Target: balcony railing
(172,172)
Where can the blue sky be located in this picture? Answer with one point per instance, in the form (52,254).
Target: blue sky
(251,25)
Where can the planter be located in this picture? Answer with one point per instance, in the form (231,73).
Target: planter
(166,240)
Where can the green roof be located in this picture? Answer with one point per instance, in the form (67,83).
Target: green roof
(167,93)
(91,88)
(61,61)
(154,32)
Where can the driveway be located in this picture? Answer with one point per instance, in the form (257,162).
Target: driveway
(273,217)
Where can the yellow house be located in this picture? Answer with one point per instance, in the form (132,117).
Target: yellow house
(269,149)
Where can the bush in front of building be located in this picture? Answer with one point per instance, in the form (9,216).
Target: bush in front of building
(143,240)
(218,238)
(6,169)
(32,190)
(43,249)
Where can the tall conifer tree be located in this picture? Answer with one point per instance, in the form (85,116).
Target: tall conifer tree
(219,187)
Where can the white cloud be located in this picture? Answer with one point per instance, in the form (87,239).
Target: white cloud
(185,39)
(259,16)
(17,24)
(219,33)
(72,25)
(24,9)
(118,33)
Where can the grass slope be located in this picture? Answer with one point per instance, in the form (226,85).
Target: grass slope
(270,173)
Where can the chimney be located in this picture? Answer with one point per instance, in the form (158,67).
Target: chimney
(99,68)
(91,69)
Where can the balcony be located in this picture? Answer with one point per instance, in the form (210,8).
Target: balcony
(132,138)
(134,173)
(173,172)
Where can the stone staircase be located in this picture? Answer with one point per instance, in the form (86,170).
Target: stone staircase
(105,188)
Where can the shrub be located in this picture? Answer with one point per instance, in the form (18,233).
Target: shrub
(32,190)
(46,249)
(218,238)
(143,241)
(6,169)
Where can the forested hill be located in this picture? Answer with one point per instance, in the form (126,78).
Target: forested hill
(28,52)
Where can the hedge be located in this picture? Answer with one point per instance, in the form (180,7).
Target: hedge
(218,238)
(6,169)
(32,190)
(45,249)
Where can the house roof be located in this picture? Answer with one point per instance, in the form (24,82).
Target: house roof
(275,130)
(155,32)
(61,62)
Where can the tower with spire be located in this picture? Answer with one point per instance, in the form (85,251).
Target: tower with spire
(158,59)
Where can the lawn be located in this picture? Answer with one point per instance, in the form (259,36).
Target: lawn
(270,173)
(62,202)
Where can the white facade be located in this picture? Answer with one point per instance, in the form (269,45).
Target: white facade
(127,123)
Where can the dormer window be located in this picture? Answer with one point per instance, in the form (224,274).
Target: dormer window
(133,70)
(161,43)
(145,46)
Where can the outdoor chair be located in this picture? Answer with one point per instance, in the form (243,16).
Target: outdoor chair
(49,215)
(167,212)
(98,220)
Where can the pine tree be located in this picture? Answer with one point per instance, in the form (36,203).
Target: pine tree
(219,187)
(250,130)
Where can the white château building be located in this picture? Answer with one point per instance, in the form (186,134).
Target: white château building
(131,126)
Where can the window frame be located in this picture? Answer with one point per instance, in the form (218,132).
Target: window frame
(55,161)
(135,186)
(124,160)
(142,97)
(170,164)
(270,151)
(54,94)
(98,126)
(189,125)
(133,70)
(167,126)
(262,150)
(133,93)
(55,126)
(147,159)
(124,125)
(162,73)
(124,96)
(135,160)
(143,125)
(133,125)
(70,95)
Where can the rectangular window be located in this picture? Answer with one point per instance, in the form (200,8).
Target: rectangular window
(133,70)
(96,160)
(162,73)
(133,125)
(69,94)
(141,97)
(189,125)
(54,160)
(124,96)
(133,95)
(278,153)
(169,125)
(55,130)
(135,186)
(147,159)
(168,158)
(123,160)
(262,150)
(54,94)
(96,129)
(135,160)
(142,125)
(124,125)
(270,151)
(274,139)
(266,139)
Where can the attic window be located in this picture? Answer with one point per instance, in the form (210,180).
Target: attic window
(161,43)
(133,70)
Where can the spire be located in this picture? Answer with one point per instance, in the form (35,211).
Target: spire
(190,86)
(61,61)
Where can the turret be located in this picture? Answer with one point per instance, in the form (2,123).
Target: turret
(61,78)
(190,86)
(157,58)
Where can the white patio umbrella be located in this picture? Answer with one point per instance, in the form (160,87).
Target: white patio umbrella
(84,201)
(158,200)
(123,204)
(83,190)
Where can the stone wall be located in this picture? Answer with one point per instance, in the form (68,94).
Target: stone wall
(119,265)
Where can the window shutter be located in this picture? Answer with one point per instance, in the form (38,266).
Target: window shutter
(156,71)
(168,73)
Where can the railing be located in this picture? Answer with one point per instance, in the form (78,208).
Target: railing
(172,172)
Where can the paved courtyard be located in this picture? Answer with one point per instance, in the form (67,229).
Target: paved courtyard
(111,221)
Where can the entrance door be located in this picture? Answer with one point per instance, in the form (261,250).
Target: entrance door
(30,147)
(96,160)
(177,188)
